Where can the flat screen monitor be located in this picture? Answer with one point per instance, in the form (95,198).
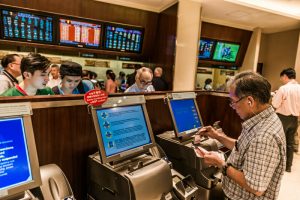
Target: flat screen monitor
(19,167)
(185,115)
(206,48)
(225,51)
(25,26)
(126,39)
(79,34)
(122,131)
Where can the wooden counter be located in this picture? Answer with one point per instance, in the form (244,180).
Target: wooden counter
(65,134)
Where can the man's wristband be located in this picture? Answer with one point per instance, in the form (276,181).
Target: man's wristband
(224,169)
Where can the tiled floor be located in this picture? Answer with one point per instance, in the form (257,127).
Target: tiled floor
(289,189)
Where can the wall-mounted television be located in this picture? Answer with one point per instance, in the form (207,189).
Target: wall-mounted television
(122,38)
(79,33)
(225,51)
(206,48)
(26,26)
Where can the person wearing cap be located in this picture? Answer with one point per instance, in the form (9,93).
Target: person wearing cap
(35,70)
(71,80)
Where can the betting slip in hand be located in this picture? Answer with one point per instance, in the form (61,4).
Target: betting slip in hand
(200,152)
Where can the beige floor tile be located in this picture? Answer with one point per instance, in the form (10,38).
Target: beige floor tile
(290,185)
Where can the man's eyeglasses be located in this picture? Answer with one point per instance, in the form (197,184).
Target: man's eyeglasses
(145,82)
(233,103)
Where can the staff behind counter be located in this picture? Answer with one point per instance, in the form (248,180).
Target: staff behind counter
(256,164)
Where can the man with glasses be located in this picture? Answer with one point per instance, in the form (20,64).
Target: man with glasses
(8,77)
(143,81)
(256,164)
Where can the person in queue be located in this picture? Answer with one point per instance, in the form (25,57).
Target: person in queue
(207,84)
(286,101)
(143,81)
(12,69)
(121,82)
(35,70)
(256,164)
(71,80)
(111,84)
(131,77)
(54,79)
(159,83)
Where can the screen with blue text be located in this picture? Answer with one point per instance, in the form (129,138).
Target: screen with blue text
(15,168)
(185,115)
(123,128)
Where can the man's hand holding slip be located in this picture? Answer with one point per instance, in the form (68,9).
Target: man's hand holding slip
(211,158)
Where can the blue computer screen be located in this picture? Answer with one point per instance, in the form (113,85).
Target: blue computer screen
(185,114)
(14,160)
(123,128)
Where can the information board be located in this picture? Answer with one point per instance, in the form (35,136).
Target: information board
(80,34)
(123,39)
(27,26)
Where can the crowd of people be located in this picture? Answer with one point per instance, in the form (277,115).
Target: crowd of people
(259,157)
(41,77)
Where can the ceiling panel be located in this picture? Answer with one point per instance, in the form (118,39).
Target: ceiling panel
(227,13)
(150,5)
(235,13)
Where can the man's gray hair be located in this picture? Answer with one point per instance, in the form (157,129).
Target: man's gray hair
(142,70)
(252,84)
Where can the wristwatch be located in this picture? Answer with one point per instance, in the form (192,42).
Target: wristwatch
(224,169)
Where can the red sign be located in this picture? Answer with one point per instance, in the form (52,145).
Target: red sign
(95,97)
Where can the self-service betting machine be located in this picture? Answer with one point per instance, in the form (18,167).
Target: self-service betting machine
(19,166)
(178,143)
(126,166)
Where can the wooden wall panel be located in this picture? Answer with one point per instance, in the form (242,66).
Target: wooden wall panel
(69,7)
(100,11)
(226,33)
(164,50)
(159,114)
(66,135)
(216,108)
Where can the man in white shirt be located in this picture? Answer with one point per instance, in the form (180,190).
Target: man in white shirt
(143,81)
(287,103)
(54,79)
(8,77)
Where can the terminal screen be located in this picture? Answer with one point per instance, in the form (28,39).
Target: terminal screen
(15,167)
(123,39)
(185,114)
(79,34)
(27,27)
(123,129)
